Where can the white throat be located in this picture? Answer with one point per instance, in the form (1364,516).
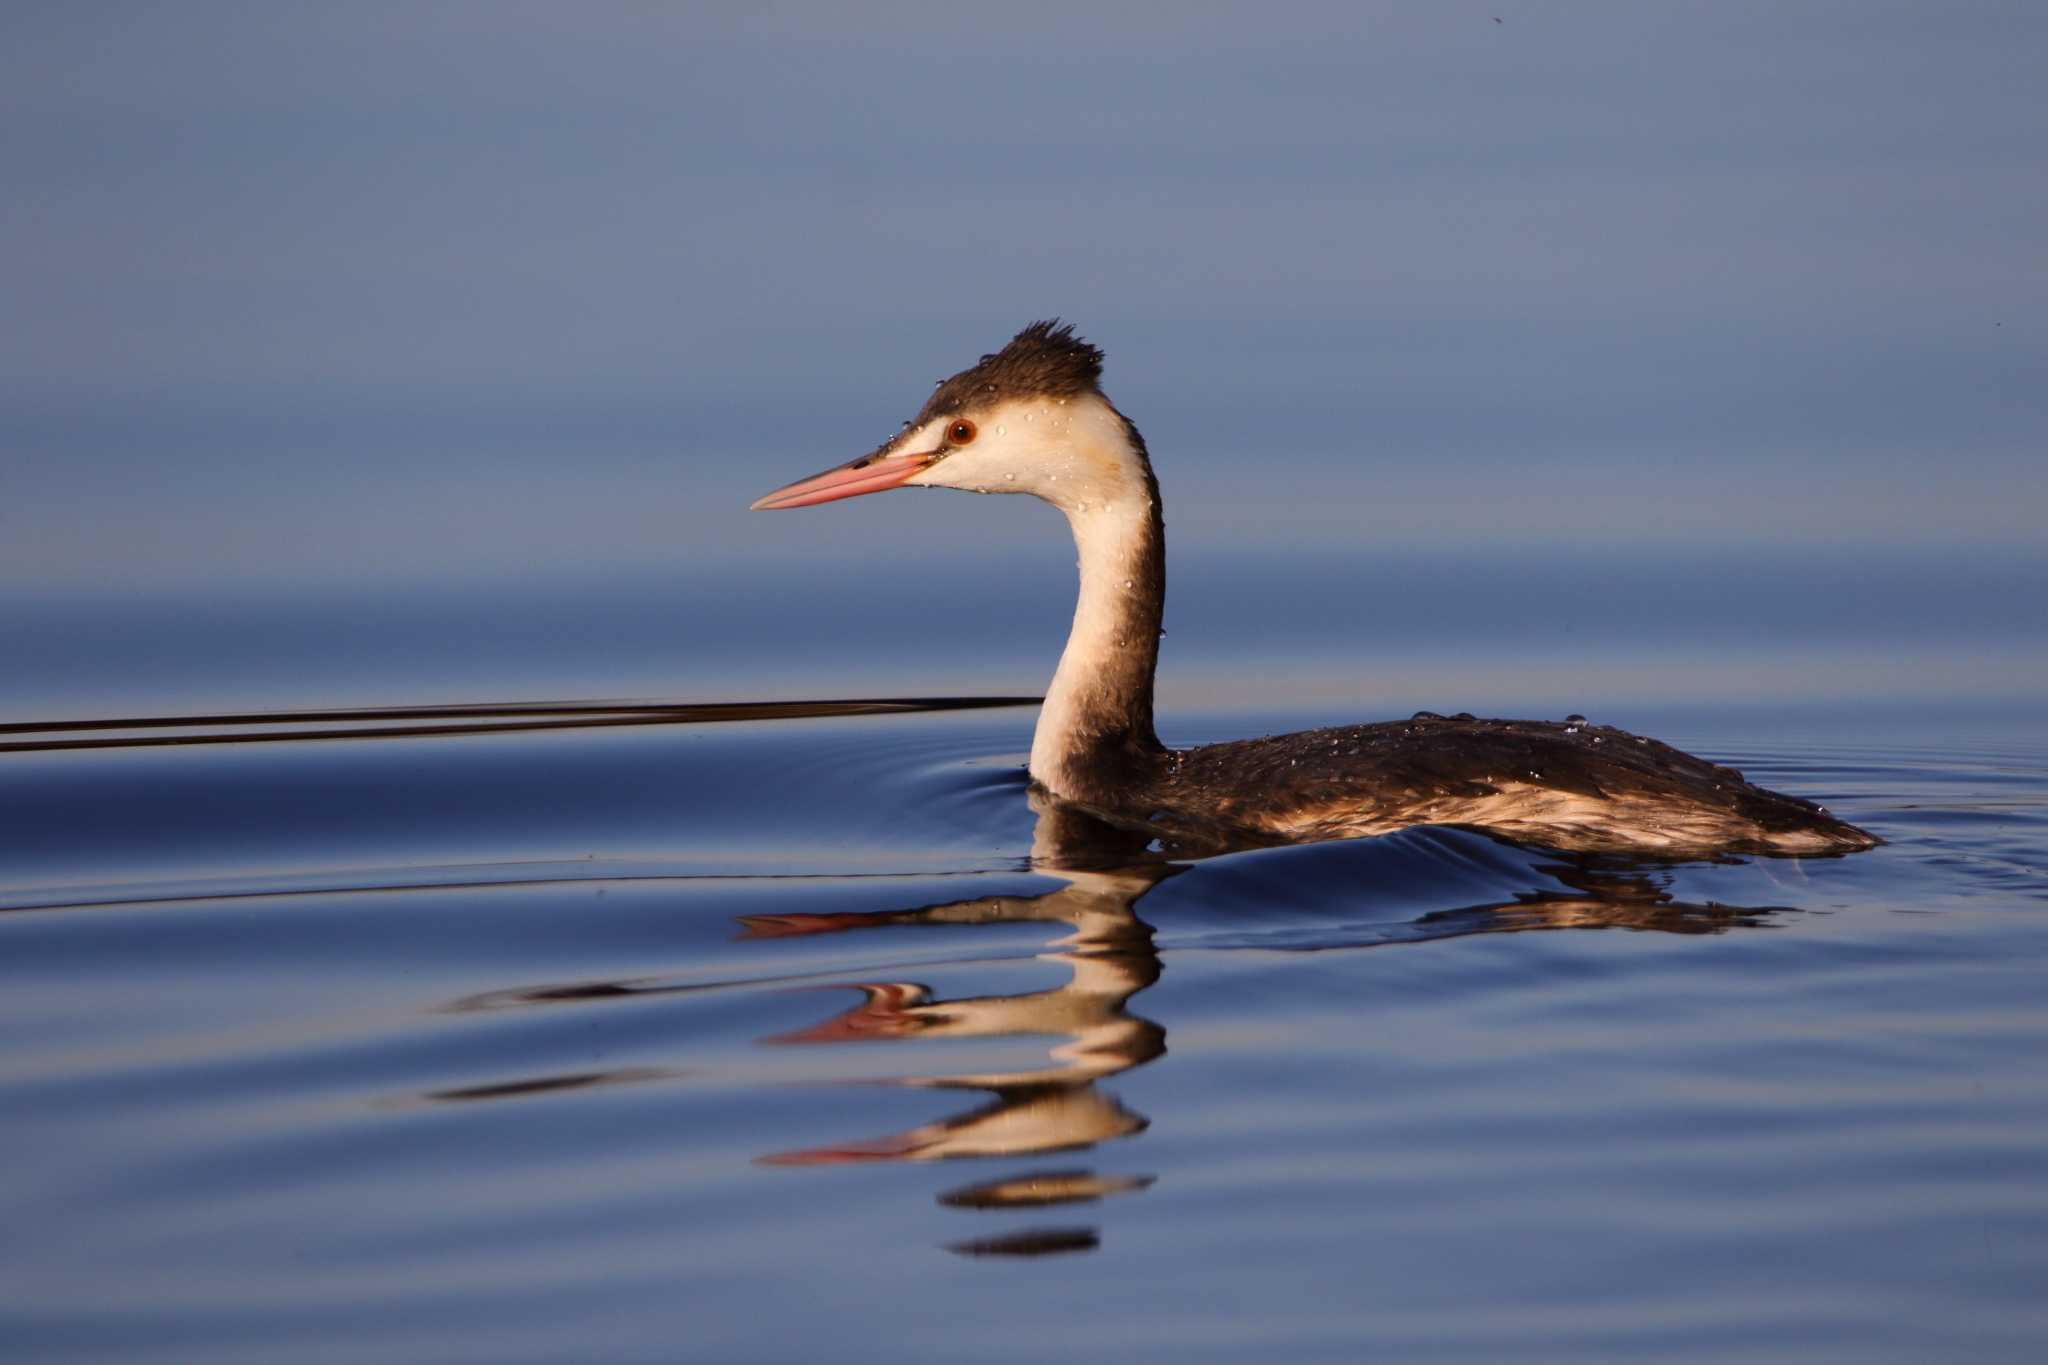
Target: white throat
(1100,698)
(1080,455)
(1088,699)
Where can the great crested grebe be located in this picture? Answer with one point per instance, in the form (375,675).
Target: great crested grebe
(1032,418)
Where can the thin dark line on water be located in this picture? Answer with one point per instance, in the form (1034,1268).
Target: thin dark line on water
(743,710)
(541,1085)
(414,888)
(835,975)
(484,718)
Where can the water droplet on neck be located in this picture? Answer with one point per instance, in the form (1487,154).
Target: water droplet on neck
(999,431)
(1130,583)
(1009,478)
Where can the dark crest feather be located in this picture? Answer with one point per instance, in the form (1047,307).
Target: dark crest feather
(1045,360)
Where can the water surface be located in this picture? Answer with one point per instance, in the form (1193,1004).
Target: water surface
(752,1035)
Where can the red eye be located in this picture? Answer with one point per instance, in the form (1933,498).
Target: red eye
(960,433)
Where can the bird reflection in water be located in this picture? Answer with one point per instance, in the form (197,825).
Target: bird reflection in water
(1103,871)
(1110,956)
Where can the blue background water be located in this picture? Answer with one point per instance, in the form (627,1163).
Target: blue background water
(495,291)
(1677,366)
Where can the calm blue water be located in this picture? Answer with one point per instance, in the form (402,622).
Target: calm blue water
(791,1038)
(1676,365)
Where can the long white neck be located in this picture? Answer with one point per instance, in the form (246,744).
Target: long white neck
(1096,725)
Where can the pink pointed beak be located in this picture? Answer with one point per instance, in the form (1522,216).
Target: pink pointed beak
(868,474)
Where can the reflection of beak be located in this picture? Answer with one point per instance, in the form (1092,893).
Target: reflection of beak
(788,924)
(868,474)
(886,1013)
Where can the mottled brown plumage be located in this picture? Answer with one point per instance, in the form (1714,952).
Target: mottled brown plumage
(1567,785)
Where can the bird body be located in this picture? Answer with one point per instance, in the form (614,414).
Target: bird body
(1032,418)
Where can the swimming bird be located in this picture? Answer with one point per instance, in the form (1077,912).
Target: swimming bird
(1032,418)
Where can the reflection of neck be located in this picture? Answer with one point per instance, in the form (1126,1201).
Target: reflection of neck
(1095,729)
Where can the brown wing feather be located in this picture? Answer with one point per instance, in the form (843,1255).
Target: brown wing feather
(1567,784)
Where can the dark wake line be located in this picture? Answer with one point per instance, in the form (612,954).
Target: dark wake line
(480,718)
(197,896)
